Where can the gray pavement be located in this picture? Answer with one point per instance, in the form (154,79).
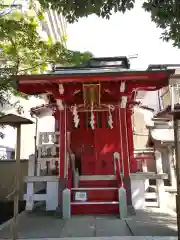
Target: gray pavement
(150,223)
(109,238)
(153,222)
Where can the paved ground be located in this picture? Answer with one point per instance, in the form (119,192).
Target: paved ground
(108,238)
(151,222)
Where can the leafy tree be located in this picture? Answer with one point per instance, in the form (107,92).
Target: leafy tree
(24,52)
(165,13)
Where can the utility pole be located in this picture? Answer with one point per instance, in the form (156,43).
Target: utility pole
(177,151)
(176,119)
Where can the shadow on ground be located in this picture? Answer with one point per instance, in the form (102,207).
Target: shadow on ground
(47,225)
(153,222)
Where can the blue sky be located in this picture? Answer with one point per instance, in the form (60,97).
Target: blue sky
(131,33)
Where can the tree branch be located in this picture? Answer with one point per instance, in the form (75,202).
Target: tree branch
(31,68)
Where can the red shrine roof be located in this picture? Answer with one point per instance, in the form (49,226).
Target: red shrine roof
(149,78)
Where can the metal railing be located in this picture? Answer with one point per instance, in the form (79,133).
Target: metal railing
(117,168)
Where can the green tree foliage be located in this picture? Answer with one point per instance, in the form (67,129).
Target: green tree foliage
(22,51)
(165,13)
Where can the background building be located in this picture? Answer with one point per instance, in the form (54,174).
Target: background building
(53,26)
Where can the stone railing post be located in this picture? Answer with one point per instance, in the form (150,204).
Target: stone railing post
(30,185)
(159,182)
(31,165)
(66,203)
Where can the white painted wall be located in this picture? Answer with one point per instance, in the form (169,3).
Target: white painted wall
(46,123)
(151,100)
(141,119)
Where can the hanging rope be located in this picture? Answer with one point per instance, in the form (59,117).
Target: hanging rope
(92,122)
(110,121)
(76,117)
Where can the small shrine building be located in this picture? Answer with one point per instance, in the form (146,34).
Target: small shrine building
(93,143)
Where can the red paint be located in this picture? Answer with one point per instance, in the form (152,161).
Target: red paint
(99,195)
(106,195)
(98,183)
(95,209)
(154,76)
(70,178)
(62,143)
(96,146)
(125,150)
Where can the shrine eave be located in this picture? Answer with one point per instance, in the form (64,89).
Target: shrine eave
(157,77)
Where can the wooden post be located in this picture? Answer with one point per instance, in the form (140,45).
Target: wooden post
(17,185)
(177,150)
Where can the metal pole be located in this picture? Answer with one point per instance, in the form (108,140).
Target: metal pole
(177,151)
(17,187)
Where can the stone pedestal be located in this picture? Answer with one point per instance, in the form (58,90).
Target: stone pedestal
(138,191)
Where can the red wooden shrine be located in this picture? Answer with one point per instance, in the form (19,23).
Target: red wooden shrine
(95,104)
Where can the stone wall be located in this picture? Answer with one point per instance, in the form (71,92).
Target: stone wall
(7,177)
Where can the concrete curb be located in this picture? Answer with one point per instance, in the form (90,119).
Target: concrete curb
(106,238)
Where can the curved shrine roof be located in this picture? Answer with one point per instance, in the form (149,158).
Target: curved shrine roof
(149,78)
(81,74)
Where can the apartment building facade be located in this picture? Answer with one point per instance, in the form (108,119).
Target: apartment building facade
(53,26)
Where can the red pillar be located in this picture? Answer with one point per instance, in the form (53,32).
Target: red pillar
(125,153)
(62,144)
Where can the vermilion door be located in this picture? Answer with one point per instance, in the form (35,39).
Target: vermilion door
(83,143)
(106,142)
(96,146)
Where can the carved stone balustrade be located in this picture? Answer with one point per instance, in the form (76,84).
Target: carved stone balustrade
(48,152)
(48,138)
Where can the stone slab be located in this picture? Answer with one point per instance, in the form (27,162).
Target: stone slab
(106,238)
(158,223)
(106,227)
(79,226)
(45,225)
